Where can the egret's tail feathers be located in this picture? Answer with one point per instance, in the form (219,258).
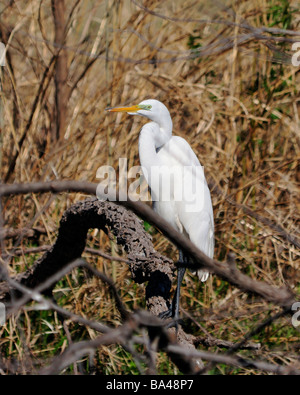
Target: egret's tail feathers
(203,275)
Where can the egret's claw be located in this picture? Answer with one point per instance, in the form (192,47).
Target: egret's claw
(166,314)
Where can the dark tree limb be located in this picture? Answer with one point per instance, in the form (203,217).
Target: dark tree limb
(145,263)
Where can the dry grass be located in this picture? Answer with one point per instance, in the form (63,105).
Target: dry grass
(238,110)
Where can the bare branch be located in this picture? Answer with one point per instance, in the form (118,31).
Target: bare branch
(61,67)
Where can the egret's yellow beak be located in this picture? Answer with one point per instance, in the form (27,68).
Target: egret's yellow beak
(124,109)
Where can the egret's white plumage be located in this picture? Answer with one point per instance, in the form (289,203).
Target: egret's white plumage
(159,151)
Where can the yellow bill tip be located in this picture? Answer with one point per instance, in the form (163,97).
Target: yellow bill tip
(123,109)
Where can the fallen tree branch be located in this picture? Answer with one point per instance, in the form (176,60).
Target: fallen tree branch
(282,296)
(144,262)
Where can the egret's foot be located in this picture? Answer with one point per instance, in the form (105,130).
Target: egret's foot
(175,322)
(166,314)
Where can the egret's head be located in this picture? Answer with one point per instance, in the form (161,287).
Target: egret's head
(151,109)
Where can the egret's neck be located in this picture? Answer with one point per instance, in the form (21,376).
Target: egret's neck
(152,137)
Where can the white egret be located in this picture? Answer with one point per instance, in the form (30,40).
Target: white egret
(186,205)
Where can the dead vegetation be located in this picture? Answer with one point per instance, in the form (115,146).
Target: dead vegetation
(224,70)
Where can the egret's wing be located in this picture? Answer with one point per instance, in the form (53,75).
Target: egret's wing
(189,179)
(177,151)
(193,206)
(201,232)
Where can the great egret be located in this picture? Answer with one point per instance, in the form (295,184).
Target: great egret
(188,206)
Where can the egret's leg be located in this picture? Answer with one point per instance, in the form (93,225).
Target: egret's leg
(176,298)
(174,309)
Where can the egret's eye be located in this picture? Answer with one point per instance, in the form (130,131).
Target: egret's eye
(146,107)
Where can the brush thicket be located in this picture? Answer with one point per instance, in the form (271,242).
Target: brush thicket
(235,105)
